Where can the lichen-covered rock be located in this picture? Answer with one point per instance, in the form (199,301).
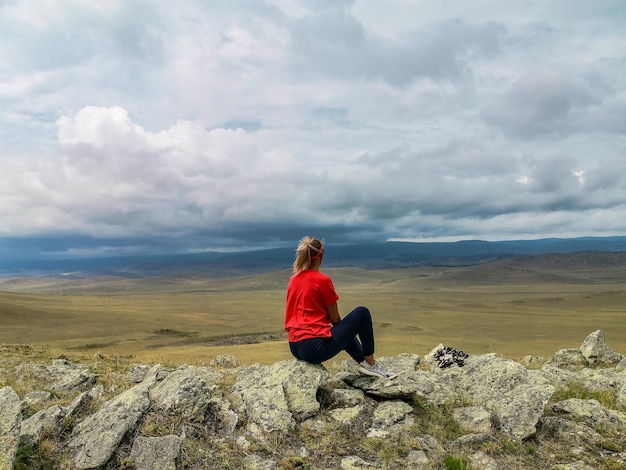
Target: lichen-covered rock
(347,415)
(485,379)
(301,396)
(37,371)
(407,386)
(95,439)
(596,380)
(186,391)
(343,397)
(388,413)
(430,357)
(268,408)
(10,421)
(258,462)
(473,418)
(569,358)
(482,461)
(60,367)
(137,373)
(418,459)
(278,395)
(596,351)
(502,386)
(471,440)
(592,413)
(78,404)
(519,410)
(354,462)
(76,380)
(568,431)
(156,453)
(404,362)
(34,399)
(70,376)
(551,374)
(433,448)
(47,420)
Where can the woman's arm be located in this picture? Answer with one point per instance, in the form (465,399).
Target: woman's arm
(333,313)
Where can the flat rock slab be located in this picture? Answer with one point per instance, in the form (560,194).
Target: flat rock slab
(592,413)
(95,439)
(156,453)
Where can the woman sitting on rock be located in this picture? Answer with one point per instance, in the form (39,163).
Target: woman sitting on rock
(315,330)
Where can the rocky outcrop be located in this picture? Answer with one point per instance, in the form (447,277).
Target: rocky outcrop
(292,414)
(95,439)
(276,397)
(10,422)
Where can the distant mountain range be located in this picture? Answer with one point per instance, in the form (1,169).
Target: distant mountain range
(391,255)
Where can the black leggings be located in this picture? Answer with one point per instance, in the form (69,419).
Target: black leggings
(357,322)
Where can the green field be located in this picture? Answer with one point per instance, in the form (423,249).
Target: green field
(507,308)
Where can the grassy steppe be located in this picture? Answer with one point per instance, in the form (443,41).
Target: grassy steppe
(509,308)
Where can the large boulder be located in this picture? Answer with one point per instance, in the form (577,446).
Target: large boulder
(10,421)
(485,379)
(596,351)
(503,387)
(276,396)
(519,410)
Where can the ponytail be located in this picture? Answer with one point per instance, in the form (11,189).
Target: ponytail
(308,250)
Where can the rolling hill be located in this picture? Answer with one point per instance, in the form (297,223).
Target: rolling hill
(391,255)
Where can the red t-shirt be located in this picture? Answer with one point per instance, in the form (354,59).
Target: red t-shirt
(308,294)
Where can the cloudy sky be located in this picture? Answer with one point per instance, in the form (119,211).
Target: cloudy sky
(182,125)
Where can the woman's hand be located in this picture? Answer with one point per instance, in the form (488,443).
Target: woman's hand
(333,313)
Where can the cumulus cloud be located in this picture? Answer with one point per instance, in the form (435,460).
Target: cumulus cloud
(191,125)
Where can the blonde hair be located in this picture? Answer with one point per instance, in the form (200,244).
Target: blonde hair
(310,248)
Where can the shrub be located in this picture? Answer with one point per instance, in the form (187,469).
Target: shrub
(455,463)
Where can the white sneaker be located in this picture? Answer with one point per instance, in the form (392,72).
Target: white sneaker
(375,370)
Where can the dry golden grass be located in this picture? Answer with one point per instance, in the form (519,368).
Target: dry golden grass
(490,308)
